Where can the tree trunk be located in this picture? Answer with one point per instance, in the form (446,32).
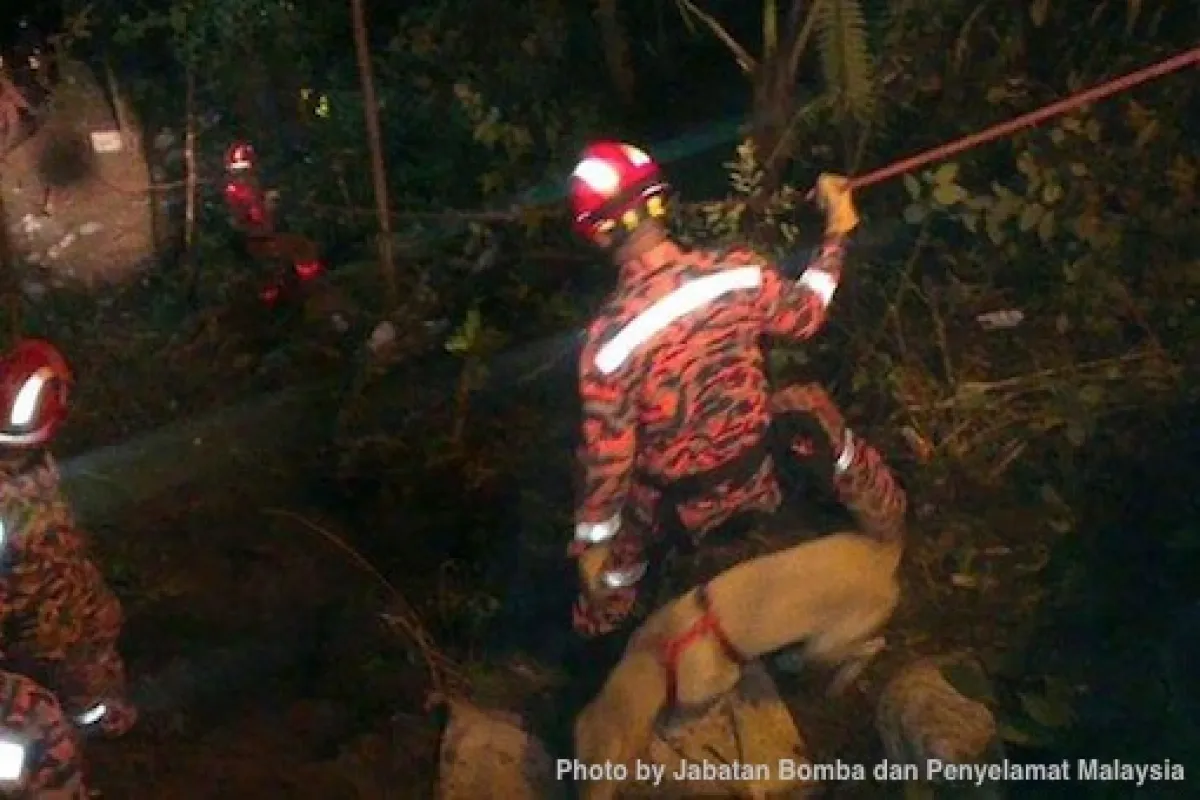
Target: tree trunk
(616,52)
(775,106)
(375,141)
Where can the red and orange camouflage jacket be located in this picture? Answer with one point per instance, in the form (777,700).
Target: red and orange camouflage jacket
(59,621)
(672,376)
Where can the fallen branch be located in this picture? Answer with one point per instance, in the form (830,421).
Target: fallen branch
(995,418)
(970,392)
(745,61)
(443,672)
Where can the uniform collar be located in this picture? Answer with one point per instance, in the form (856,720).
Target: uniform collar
(650,261)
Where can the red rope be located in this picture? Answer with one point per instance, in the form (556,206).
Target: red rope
(1115,86)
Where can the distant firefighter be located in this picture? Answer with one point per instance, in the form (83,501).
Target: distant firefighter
(291,259)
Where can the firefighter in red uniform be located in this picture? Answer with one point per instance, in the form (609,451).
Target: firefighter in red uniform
(293,259)
(60,670)
(676,403)
(244,196)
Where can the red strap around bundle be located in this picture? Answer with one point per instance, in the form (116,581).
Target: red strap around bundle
(706,624)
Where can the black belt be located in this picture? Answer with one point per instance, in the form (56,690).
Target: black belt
(737,470)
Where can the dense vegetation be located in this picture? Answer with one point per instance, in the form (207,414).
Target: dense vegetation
(1046,448)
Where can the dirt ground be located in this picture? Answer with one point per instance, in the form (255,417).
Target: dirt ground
(268,674)
(261,675)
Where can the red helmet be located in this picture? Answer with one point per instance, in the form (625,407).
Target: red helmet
(240,157)
(612,185)
(34,384)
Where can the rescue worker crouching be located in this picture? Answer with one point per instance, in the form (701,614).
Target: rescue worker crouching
(676,405)
(60,670)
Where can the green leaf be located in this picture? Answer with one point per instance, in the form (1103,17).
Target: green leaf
(994,231)
(1026,165)
(980,202)
(915,214)
(912,186)
(1047,712)
(948,194)
(1051,497)
(473,324)
(1018,736)
(1061,526)
(1030,216)
(1091,395)
(1005,207)
(947,173)
(1045,229)
(466,338)
(1146,134)
(1038,11)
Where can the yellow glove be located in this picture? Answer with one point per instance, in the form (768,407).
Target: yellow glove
(834,198)
(592,562)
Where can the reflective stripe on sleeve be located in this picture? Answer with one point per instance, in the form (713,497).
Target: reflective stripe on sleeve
(598,532)
(621,578)
(820,283)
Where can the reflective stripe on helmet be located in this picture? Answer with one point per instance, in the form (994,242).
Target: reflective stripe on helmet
(820,283)
(621,578)
(636,157)
(12,760)
(676,305)
(598,532)
(25,405)
(599,175)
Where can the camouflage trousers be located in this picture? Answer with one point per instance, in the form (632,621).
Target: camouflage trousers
(40,757)
(809,429)
(810,426)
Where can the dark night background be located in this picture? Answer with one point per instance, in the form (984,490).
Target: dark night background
(239,458)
